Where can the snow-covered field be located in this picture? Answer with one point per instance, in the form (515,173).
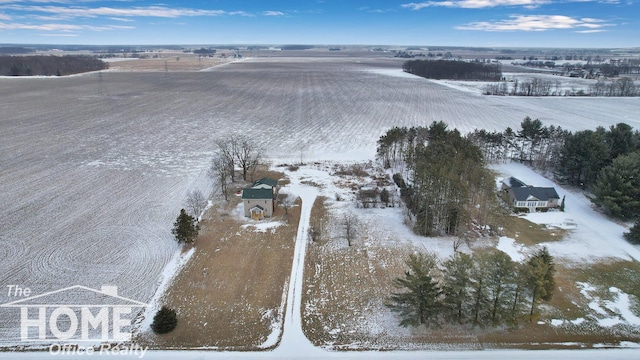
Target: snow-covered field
(94,169)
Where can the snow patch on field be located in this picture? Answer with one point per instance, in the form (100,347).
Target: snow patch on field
(261,226)
(555,219)
(607,313)
(509,246)
(394,72)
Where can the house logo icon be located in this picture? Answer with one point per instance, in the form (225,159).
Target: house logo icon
(77,313)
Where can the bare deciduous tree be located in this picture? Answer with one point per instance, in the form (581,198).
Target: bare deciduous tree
(195,203)
(227,153)
(219,171)
(286,202)
(247,154)
(350,224)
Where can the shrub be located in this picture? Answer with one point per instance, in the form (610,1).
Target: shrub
(633,235)
(164,321)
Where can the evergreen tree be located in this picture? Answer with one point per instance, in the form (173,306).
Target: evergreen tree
(185,228)
(633,235)
(519,286)
(479,291)
(164,321)
(419,303)
(582,157)
(500,274)
(621,140)
(456,282)
(618,187)
(540,278)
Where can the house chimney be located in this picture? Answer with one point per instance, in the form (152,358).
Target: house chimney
(109,290)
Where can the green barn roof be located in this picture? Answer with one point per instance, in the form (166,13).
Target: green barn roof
(257,194)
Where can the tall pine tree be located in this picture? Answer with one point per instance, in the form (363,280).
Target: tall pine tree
(185,228)
(540,279)
(456,285)
(618,187)
(419,302)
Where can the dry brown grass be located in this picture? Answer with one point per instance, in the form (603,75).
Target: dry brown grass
(232,288)
(170,62)
(528,233)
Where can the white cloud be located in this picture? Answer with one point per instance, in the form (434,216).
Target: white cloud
(536,23)
(475,4)
(59,35)
(4,17)
(149,11)
(120,19)
(61,27)
(273,13)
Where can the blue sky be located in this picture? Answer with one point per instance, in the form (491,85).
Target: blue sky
(492,23)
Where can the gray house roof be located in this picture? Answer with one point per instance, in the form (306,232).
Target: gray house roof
(530,193)
(257,194)
(513,182)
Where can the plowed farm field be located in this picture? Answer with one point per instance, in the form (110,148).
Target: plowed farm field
(94,168)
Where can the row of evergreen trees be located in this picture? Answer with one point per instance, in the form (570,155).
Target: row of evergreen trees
(487,289)
(448,185)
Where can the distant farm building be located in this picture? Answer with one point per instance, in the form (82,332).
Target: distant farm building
(259,199)
(533,198)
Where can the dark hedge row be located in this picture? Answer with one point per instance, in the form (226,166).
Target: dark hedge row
(49,65)
(454,70)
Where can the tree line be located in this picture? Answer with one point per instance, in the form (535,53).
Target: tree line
(448,189)
(455,70)
(484,289)
(604,162)
(49,65)
(622,87)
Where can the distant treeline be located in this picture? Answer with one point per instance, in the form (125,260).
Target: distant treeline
(49,65)
(539,87)
(15,50)
(297,47)
(454,70)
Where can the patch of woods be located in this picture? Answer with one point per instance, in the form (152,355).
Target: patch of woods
(454,70)
(483,289)
(446,186)
(448,191)
(49,65)
(540,87)
(603,162)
